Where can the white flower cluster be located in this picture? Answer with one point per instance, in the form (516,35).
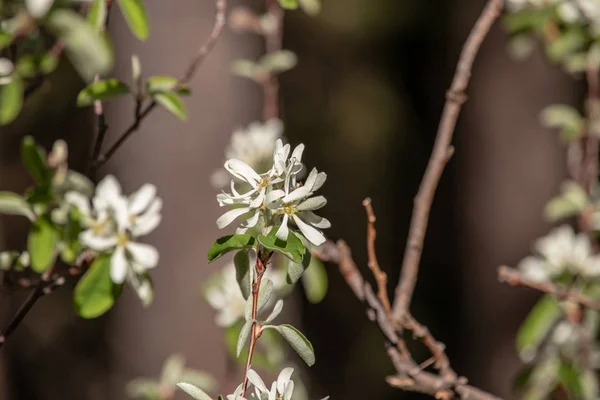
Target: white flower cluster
(112,224)
(282,389)
(569,11)
(253,145)
(562,251)
(276,197)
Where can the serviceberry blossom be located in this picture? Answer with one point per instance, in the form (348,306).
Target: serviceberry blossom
(562,251)
(282,389)
(253,145)
(568,11)
(114,221)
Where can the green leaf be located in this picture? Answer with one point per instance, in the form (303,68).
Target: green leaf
(565,44)
(101,90)
(279,61)
(565,118)
(228,243)
(264,295)
(195,392)
(35,161)
(289,4)
(568,376)
(544,379)
(244,333)
(5,39)
(13,204)
(88,50)
(97,15)
(95,292)
(296,270)
(136,17)
(241,261)
(292,248)
(11,100)
(172,103)
(572,201)
(41,244)
(275,313)
(161,84)
(536,326)
(298,342)
(315,281)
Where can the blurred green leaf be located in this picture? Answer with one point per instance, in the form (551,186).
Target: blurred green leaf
(200,379)
(95,292)
(565,118)
(88,50)
(527,19)
(243,337)
(97,15)
(41,244)
(279,61)
(567,43)
(101,90)
(292,248)
(536,326)
(194,391)
(571,201)
(315,281)
(5,39)
(35,161)
(161,84)
(172,103)
(289,4)
(136,17)
(14,204)
(543,380)
(11,99)
(241,261)
(229,243)
(311,7)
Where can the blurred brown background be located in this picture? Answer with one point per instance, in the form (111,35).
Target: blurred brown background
(365,99)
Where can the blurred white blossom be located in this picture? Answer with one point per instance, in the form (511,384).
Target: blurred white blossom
(562,250)
(38,8)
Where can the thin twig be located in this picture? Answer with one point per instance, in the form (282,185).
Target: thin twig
(514,278)
(188,75)
(442,151)
(379,275)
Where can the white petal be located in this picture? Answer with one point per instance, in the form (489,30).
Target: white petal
(310,233)
(534,268)
(38,8)
(144,254)
(108,189)
(215,298)
(297,194)
(283,231)
(274,195)
(315,220)
(230,216)
(256,381)
(95,242)
(242,171)
(273,392)
(313,203)
(119,206)
(257,202)
(252,221)
(145,224)
(118,265)
(140,200)
(289,390)
(80,201)
(319,181)
(297,153)
(283,379)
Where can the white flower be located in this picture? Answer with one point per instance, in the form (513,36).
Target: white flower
(562,250)
(6,69)
(38,8)
(297,205)
(226,297)
(254,146)
(115,220)
(282,389)
(237,394)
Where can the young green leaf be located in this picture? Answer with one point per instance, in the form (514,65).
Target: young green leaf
(195,392)
(279,61)
(97,14)
(11,100)
(244,333)
(172,103)
(136,17)
(298,342)
(241,261)
(161,84)
(101,90)
(95,292)
(228,243)
(311,7)
(292,248)
(540,320)
(315,281)
(296,270)
(264,295)
(41,244)
(276,311)
(88,50)
(289,4)
(13,204)
(35,162)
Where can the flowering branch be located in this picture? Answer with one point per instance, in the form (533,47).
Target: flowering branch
(442,151)
(188,75)
(514,278)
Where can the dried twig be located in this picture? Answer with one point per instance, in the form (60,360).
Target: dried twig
(442,151)
(188,75)
(514,278)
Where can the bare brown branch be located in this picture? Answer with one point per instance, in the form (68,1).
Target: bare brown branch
(514,278)
(442,151)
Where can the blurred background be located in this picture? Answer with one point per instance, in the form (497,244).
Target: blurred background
(365,98)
